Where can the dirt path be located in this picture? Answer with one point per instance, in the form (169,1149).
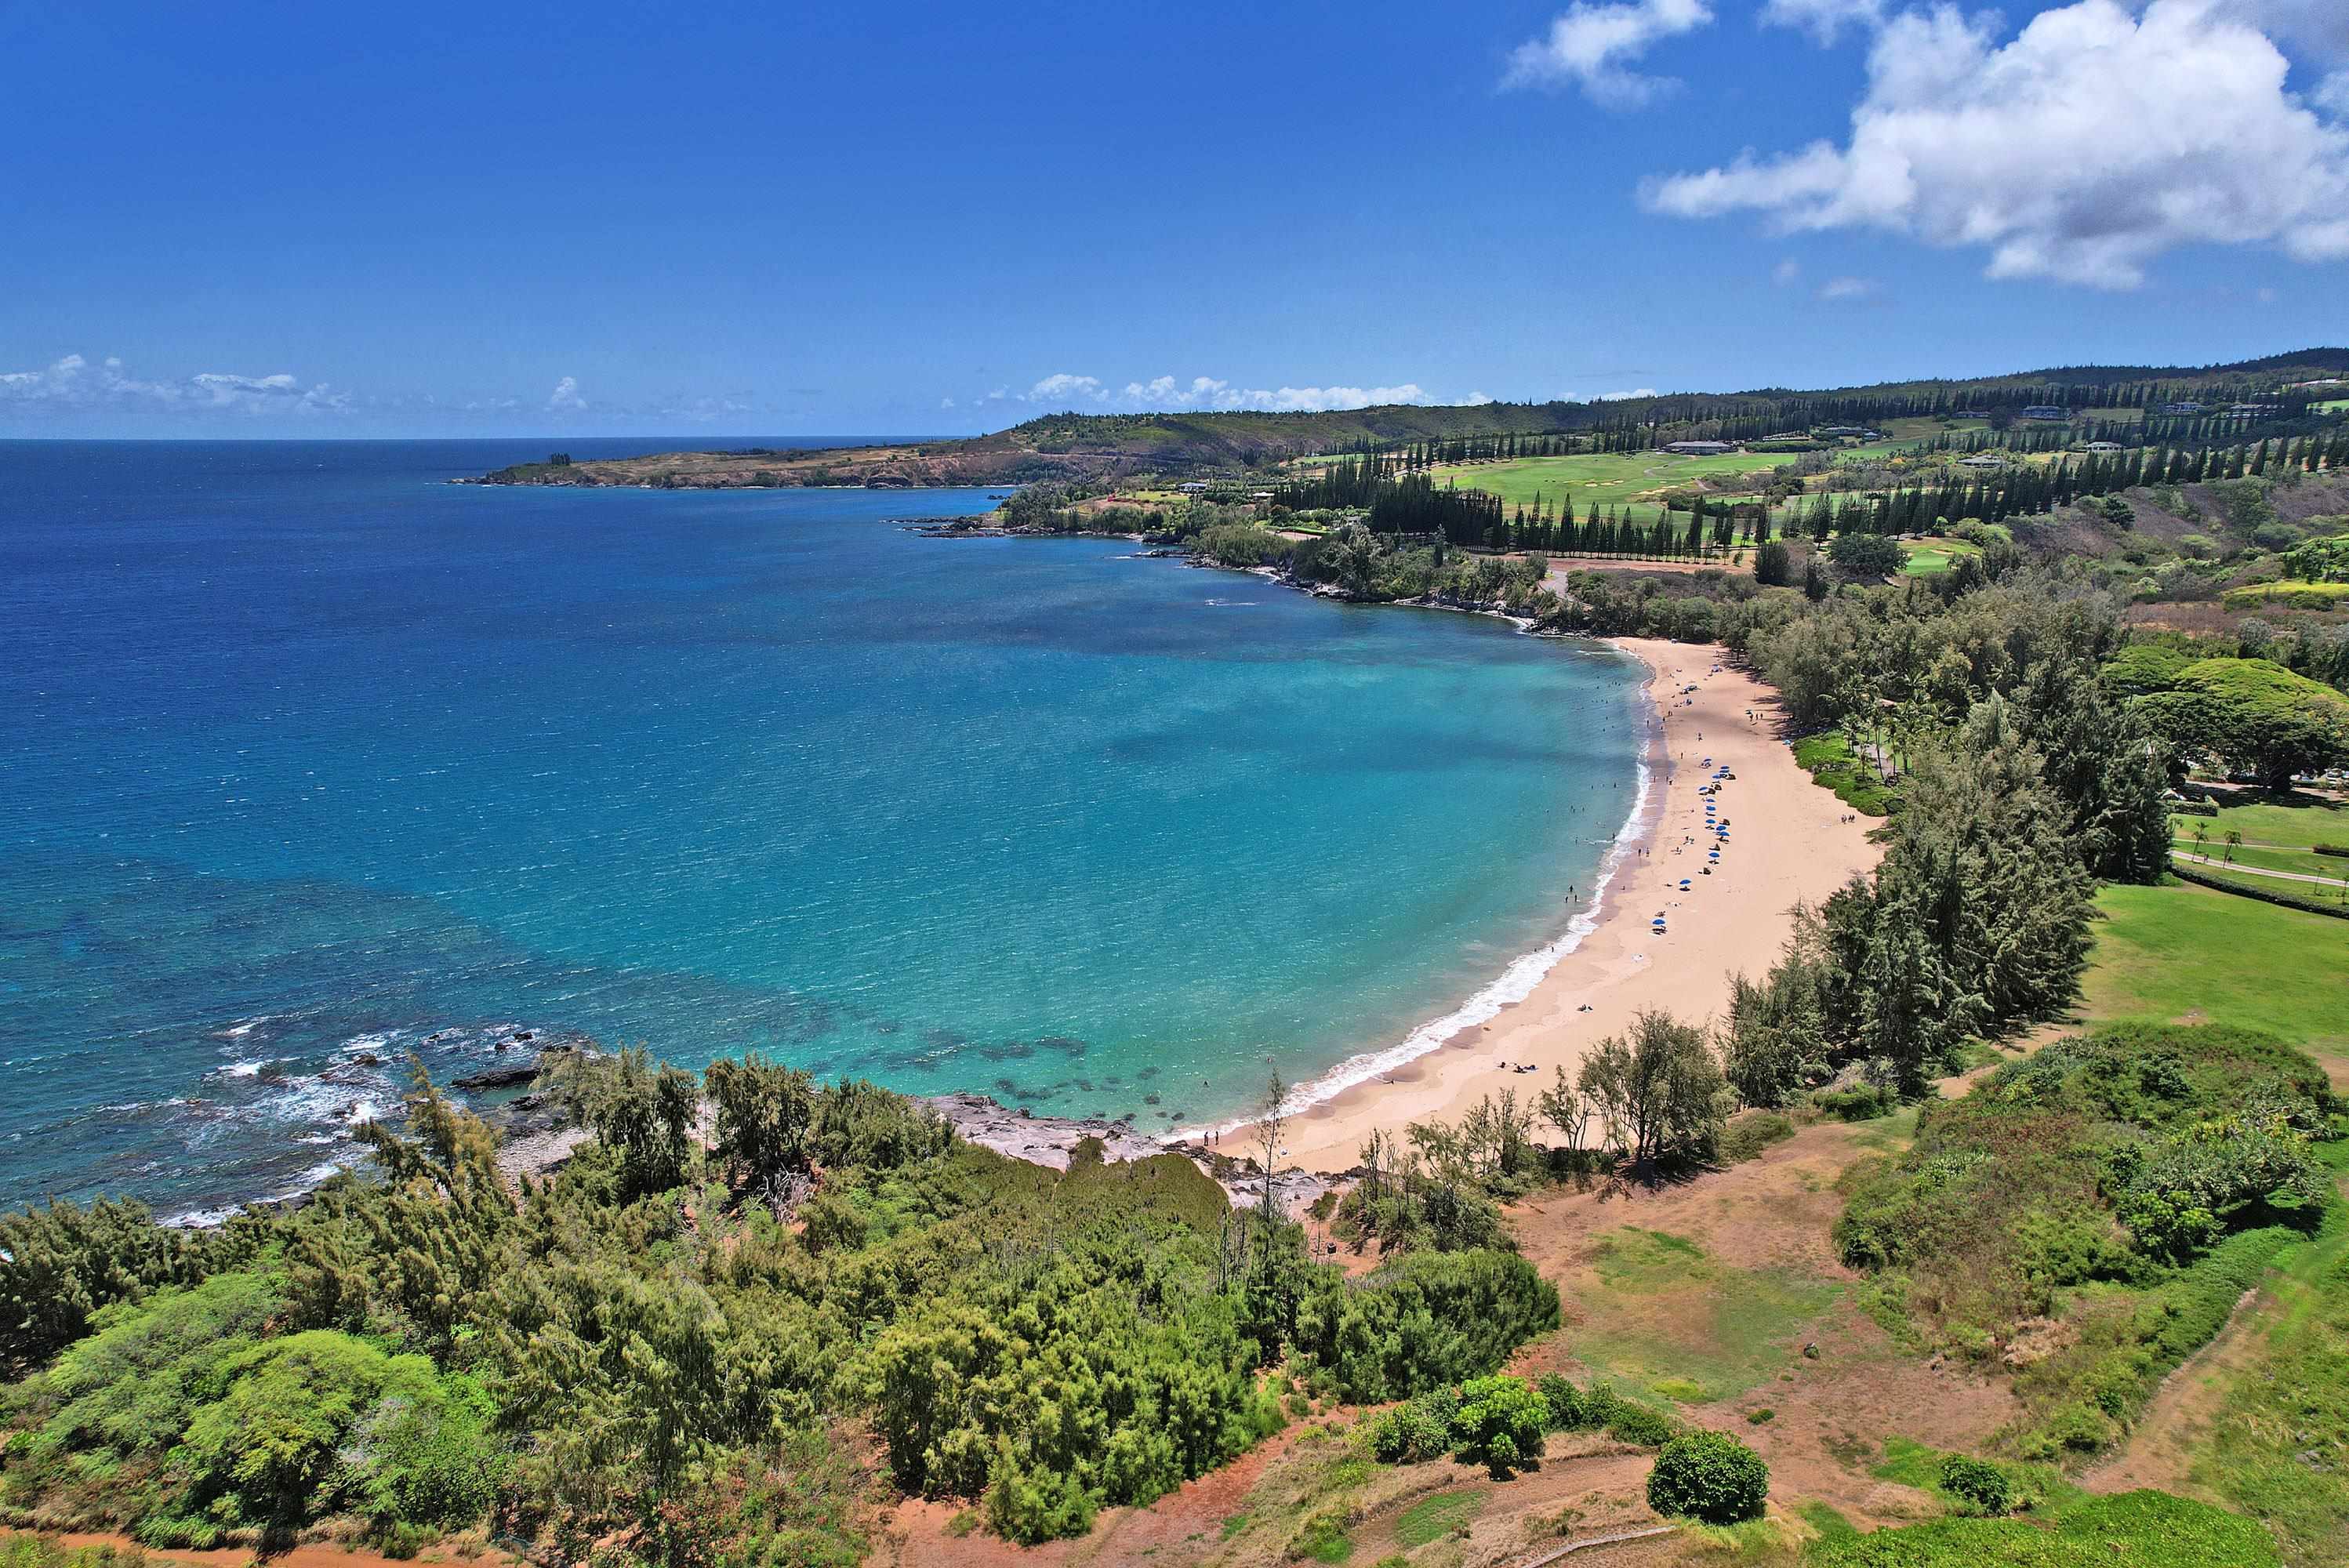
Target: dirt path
(2160,1449)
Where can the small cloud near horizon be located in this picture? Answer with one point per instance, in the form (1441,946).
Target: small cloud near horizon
(1165,394)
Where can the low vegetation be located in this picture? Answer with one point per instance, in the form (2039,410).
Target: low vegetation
(2086,1219)
(657,1348)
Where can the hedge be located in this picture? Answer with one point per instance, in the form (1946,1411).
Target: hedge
(2289,901)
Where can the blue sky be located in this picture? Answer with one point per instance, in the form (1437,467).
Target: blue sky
(295,220)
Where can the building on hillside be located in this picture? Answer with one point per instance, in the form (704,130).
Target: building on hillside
(1700,449)
(1843,430)
(2253,409)
(1970,414)
(1983,460)
(2102,446)
(1194,487)
(2183,407)
(2047,411)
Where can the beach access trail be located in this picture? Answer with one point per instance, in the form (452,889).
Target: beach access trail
(1789,841)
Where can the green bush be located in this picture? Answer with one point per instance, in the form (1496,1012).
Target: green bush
(1500,1423)
(1709,1476)
(1433,1318)
(1630,1422)
(1412,1432)
(1566,1403)
(1748,1133)
(1860,1102)
(1982,1484)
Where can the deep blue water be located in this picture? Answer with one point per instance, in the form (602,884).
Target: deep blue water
(306,755)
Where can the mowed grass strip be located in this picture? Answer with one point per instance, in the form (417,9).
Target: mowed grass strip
(2296,827)
(2180,952)
(1433,1518)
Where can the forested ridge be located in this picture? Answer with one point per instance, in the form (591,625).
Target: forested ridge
(1078,445)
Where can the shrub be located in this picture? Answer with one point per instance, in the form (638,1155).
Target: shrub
(1501,1423)
(1411,1433)
(1982,1484)
(1861,1102)
(1567,1406)
(1748,1134)
(1637,1424)
(1709,1476)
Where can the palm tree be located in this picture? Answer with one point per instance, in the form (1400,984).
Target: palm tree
(2234,836)
(2201,840)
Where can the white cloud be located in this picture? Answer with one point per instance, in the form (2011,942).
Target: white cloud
(1620,396)
(2091,143)
(1165,394)
(1592,47)
(1066,389)
(72,382)
(1824,20)
(565,397)
(1840,290)
(1787,272)
(2333,93)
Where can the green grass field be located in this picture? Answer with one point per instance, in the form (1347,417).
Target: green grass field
(1433,1518)
(2183,953)
(1931,557)
(2293,827)
(2333,868)
(1608,479)
(1665,1317)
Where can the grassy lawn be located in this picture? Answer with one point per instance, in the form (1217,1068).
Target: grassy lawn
(1610,478)
(1432,1518)
(1828,759)
(2333,868)
(1931,557)
(2166,954)
(2293,827)
(1681,1324)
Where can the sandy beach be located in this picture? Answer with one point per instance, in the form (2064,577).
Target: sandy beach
(1787,843)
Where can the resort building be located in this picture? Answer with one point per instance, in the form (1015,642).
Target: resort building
(2047,411)
(1700,449)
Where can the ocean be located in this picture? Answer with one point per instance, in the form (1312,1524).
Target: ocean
(310,761)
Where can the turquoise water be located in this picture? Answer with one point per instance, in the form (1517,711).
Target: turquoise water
(308,760)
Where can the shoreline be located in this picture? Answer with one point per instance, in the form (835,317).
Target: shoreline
(1794,847)
(1517,982)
